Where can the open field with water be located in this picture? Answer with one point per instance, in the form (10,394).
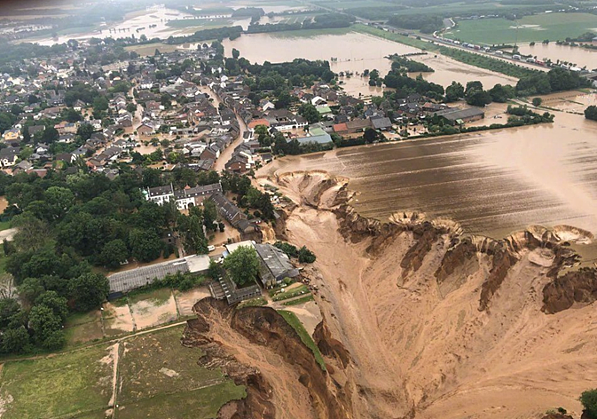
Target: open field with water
(552,26)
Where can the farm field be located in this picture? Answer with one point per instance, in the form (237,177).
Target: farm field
(78,382)
(155,367)
(157,377)
(140,310)
(552,26)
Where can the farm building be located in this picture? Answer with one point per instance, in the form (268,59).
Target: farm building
(461,116)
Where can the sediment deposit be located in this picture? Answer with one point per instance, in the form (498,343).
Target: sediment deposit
(421,320)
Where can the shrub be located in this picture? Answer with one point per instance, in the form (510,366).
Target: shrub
(589,402)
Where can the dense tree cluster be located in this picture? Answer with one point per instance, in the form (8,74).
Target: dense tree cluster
(424,23)
(410,66)
(557,79)
(399,80)
(248,196)
(591,113)
(303,254)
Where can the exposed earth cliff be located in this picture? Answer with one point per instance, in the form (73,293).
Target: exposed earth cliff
(420,320)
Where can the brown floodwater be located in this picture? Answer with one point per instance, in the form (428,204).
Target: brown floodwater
(492,183)
(581,57)
(356,52)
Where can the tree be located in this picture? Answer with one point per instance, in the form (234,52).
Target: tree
(370,135)
(195,241)
(305,255)
(114,253)
(537,101)
(478,98)
(242,265)
(589,401)
(50,135)
(15,341)
(210,214)
(235,53)
(145,245)
(85,131)
(500,93)
(43,322)
(591,113)
(473,85)
(309,112)
(89,291)
(58,201)
(57,303)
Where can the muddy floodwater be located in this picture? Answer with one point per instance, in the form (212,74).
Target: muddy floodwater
(581,57)
(356,52)
(492,183)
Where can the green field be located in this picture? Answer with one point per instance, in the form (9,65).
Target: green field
(406,40)
(552,26)
(157,377)
(296,324)
(60,386)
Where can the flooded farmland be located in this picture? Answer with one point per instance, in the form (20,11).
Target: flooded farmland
(355,52)
(492,183)
(581,57)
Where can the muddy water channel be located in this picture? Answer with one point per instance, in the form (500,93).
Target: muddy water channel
(493,182)
(355,52)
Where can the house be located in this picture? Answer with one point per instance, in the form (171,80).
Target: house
(228,210)
(381,123)
(145,129)
(184,198)
(11,135)
(9,156)
(275,265)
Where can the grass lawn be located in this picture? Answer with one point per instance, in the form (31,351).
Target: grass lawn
(83,327)
(62,385)
(552,26)
(156,364)
(298,301)
(307,33)
(202,403)
(149,49)
(4,225)
(157,297)
(294,292)
(303,334)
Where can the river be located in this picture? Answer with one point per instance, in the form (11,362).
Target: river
(492,183)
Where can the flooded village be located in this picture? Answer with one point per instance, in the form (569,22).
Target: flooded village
(284,209)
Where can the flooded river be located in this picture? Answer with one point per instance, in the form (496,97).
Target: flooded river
(355,52)
(493,183)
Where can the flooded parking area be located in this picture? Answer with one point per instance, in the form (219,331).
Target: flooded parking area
(492,183)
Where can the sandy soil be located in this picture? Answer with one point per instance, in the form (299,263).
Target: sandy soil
(425,351)
(186,300)
(147,314)
(308,313)
(117,319)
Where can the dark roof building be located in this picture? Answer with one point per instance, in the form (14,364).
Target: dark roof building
(275,265)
